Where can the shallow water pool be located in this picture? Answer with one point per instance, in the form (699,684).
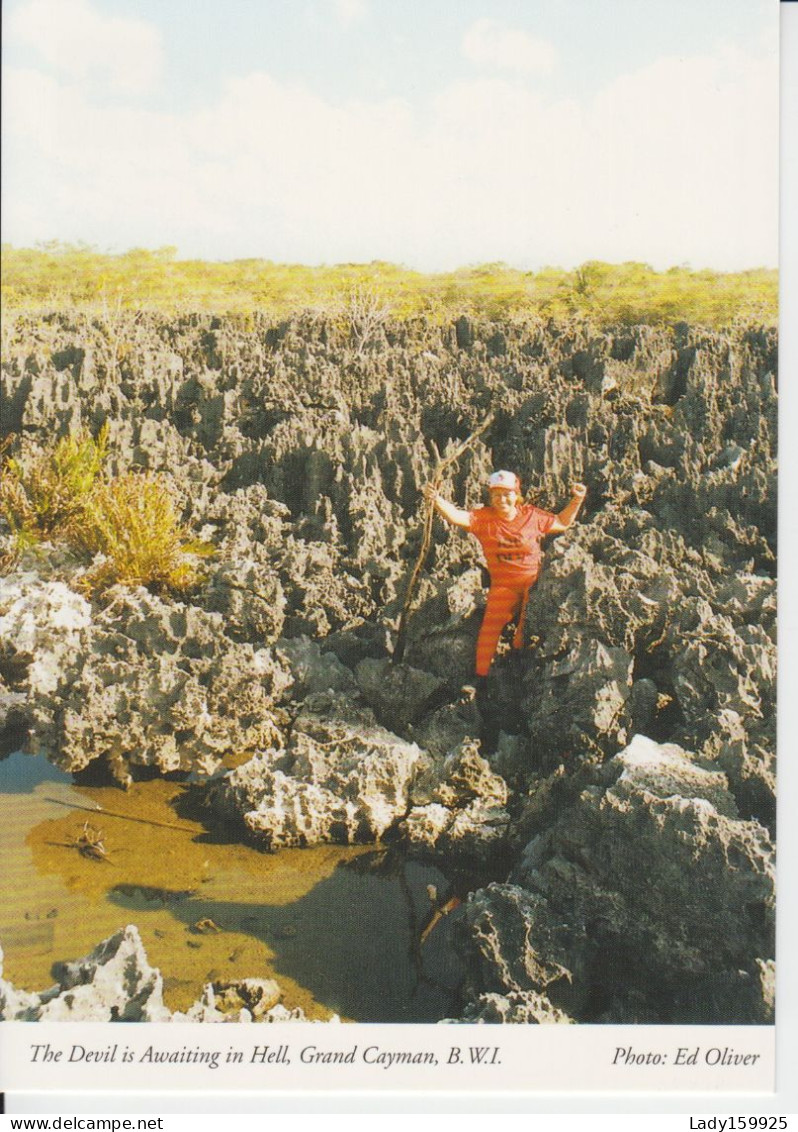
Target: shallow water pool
(338,928)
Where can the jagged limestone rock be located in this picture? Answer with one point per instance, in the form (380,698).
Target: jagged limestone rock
(338,781)
(528,1009)
(458,808)
(115,983)
(302,459)
(399,694)
(148,682)
(647,894)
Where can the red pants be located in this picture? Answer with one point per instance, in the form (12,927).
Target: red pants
(503,604)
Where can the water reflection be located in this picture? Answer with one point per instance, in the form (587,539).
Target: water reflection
(352,940)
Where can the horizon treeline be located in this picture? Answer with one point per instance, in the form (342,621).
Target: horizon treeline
(55,276)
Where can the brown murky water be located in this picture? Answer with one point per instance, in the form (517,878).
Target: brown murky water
(337,927)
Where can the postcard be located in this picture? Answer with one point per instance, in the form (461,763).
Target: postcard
(388,527)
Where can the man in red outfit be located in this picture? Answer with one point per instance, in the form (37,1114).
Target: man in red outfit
(510,532)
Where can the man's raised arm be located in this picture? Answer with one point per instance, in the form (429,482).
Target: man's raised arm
(454,515)
(569,512)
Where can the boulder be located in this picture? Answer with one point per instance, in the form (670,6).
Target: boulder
(342,780)
(638,903)
(525,1009)
(400,695)
(148,682)
(458,808)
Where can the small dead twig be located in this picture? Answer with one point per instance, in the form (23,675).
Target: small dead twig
(437,477)
(125,817)
(90,843)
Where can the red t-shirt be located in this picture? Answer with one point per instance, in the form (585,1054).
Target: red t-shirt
(511,547)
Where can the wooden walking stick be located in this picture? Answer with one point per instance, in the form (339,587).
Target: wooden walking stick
(437,477)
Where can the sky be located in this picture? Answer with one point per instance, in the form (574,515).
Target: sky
(430,133)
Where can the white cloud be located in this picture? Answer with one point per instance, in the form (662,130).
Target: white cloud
(350,11)
(81,43)
(687,150)
(489,43)
(675,162)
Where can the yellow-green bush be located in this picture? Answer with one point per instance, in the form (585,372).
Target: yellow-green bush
(131,521)
(45,495)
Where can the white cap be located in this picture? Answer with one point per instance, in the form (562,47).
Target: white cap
(508,480)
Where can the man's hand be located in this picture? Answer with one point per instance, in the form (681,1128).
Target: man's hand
(569,512)
(445,509)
